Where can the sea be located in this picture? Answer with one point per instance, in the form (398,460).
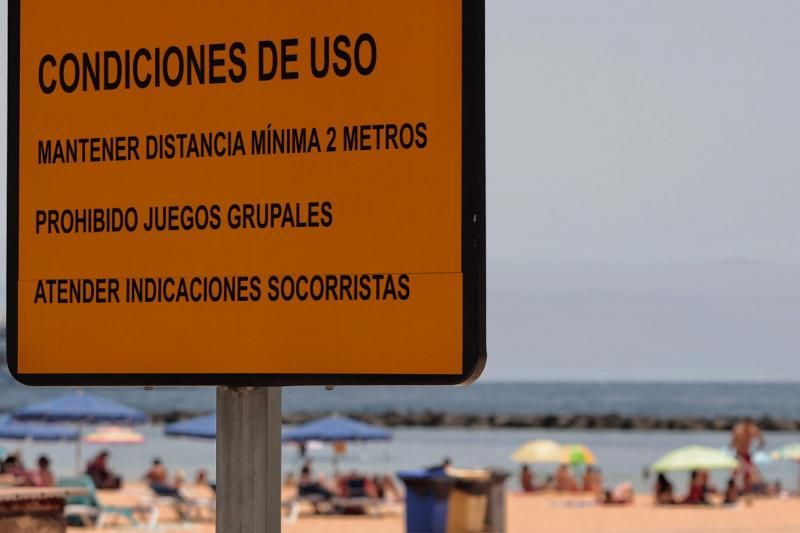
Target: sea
(622,455)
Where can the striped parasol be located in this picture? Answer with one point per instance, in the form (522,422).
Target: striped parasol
(114,435)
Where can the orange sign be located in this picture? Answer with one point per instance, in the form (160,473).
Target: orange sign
(246,192)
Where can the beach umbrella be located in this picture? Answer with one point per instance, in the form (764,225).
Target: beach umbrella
(541,451)
(336,429)
(577,455)
(114,435)
(760,457)
(790,452)
(201,427)
(80,408)
(13,430)
(695,458)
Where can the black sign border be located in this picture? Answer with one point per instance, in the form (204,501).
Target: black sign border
(473,246)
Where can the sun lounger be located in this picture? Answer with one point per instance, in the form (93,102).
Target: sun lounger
(356,498)
(187,508)
(87,510)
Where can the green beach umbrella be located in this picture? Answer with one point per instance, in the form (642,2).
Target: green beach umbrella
(577,455)
(695,458)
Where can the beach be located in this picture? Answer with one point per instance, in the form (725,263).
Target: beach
(550,513)
(622,455)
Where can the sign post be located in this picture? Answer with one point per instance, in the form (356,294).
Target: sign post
(246,194)
(249,460)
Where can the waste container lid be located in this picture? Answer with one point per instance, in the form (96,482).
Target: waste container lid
(469,474)
(434,482)
(499,475)
(420,474)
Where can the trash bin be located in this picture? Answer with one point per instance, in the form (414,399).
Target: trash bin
(427,500)
(496,508)
(468,500)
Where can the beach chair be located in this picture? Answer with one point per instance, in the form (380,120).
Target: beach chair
(186,508)
(356,498)
(316,496)
(87,510)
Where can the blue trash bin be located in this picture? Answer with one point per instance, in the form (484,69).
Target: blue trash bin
(427,497)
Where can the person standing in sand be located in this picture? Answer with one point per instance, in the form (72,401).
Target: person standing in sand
(743,435)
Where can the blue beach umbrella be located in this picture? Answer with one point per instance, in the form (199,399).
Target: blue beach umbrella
(335,429)
(13,430)
(201,427)
(80,408)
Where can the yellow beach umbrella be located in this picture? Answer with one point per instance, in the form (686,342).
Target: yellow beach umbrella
(577,455)
(694,458)
(538,451)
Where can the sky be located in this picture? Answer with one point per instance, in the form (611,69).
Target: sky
(642,189)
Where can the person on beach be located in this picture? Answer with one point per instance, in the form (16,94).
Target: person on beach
(201,478)
(663,492)
(157,474)
(101,475)
(13,468)
(731,492)
(621,495)
(743,435)
(565,480)
(699,489)
(592,480)
(308,486)
(526,479)
(43,476)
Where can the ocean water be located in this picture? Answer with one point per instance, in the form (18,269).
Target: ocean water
(779,400)
(622,455)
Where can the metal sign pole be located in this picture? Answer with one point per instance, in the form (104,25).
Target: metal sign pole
(248,460)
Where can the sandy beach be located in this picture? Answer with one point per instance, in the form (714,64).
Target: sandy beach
(548,513)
